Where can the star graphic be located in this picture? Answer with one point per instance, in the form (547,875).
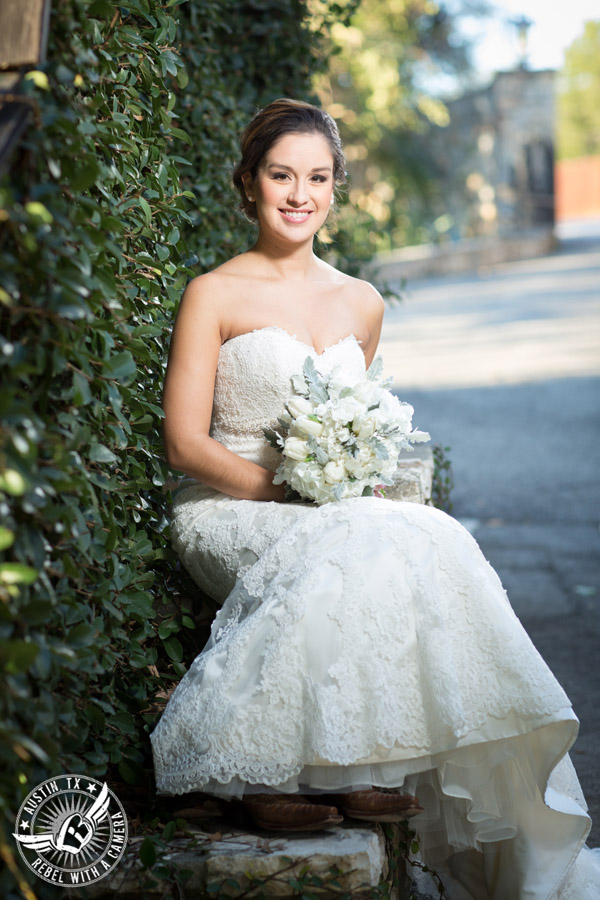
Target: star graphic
(24,824)
(92,787)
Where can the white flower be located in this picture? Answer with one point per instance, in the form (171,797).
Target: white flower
(308,425)
(361,462)
(391,408)
(296,448)
(346,439)
(334,471)
(342,434)
(364,427)
(364,392)
(344,409)
(299,406)
(341,377)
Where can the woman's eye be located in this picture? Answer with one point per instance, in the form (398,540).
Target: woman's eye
(283,176)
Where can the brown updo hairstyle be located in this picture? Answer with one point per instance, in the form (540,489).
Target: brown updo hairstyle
(271,123)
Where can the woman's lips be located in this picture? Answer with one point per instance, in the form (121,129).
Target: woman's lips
(296,215)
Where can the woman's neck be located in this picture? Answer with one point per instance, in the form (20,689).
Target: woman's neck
(296,263)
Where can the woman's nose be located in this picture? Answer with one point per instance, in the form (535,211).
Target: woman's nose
(298,193)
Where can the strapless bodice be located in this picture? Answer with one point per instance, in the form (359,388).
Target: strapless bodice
(253,381)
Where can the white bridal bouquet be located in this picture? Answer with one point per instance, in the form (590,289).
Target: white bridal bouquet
(340,435)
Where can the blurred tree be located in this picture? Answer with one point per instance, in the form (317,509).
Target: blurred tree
(381,86)
(579,96)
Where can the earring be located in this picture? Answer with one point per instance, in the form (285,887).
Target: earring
(250,197)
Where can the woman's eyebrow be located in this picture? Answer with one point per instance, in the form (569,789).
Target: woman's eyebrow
(289,168)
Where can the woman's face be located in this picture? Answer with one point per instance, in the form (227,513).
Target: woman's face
(293,189)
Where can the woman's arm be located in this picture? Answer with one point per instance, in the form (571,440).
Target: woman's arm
(372,308)
(188,399)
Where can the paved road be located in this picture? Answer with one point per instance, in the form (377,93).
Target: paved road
(503,366)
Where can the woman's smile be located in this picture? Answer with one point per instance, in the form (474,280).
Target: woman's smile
(296,215)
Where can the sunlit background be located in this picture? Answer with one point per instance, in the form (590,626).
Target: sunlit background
(554,26)
(466,118)
(472,131)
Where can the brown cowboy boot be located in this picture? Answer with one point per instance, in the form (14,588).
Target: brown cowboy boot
(290,812)
(372,805)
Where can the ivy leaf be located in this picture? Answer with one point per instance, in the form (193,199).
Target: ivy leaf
(12,482)
(147,853)
(145,206)
(17,656)
(123,721)
(101,453)
(165,629)
(7,537)
(100,9)
(173,648)
(17,573)
(131,773)
(85,175)
(40,79)
(120,366)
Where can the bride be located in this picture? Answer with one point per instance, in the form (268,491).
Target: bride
(365,643)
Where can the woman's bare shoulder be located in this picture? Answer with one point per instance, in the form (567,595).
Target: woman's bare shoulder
(218,291)
(357,287)
(218,279)
(367,293)
(362,293)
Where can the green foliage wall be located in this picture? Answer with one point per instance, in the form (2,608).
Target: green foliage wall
(578,131)
(118,195)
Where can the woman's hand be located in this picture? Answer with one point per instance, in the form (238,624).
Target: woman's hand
(278,492)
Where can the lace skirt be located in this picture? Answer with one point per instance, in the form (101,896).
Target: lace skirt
(369,642)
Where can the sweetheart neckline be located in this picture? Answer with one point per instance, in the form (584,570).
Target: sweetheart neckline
(293,337)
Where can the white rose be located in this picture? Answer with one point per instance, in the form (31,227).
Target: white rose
(308,425)
(296,448)
(364,427)
(342,433)
(334,471)
(344,409)
(365,393)
(399,412)
(299,406)
(335,451)
(340,378)
(362,462)
(320,493)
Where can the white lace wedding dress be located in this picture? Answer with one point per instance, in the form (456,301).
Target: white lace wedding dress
(368,642)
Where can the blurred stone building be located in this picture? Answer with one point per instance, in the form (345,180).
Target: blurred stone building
(494,164)
(496,157)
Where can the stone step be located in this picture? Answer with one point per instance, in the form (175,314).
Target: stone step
(344,860)
(413,477)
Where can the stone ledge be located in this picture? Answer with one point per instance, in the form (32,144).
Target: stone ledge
(464,255)
(231,858)
(413,478)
